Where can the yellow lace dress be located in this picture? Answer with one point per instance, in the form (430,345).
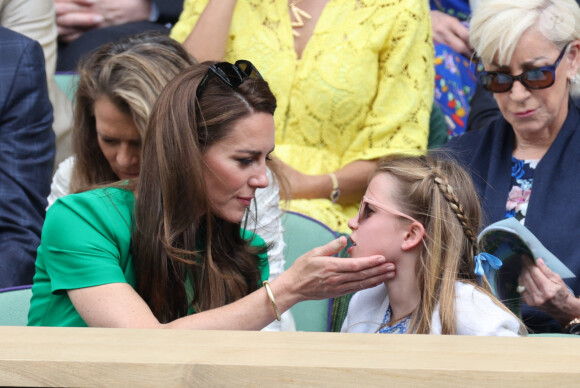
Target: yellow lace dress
(362,89)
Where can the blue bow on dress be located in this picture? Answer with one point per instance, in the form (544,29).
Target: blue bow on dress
(483,262)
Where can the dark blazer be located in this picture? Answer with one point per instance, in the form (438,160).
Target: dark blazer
(26,155)
(553,213)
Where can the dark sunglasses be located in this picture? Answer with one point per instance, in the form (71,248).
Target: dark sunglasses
(540,78)
(231,75)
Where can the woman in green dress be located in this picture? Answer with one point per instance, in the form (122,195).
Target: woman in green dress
(167,249)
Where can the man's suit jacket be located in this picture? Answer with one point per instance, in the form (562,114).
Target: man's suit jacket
(36,20)
(26,155)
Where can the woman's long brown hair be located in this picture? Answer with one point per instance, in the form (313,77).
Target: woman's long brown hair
(184,256)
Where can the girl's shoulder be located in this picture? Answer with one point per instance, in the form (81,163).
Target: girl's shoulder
(366,309)
(477,313)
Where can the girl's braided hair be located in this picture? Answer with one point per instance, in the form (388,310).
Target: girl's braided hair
(440,194)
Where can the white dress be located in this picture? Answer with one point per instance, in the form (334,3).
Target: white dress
(476,313)
(267,225)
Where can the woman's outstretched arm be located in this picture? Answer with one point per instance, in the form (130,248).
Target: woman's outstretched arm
(314,275)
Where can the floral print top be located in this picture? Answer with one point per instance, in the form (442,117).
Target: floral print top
(401,327)
(519,195)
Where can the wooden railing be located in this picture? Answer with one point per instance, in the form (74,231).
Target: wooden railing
(170,358)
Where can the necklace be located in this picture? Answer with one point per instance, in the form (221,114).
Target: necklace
(400,326)
(298,15)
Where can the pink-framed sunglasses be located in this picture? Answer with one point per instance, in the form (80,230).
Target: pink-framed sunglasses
(364,211)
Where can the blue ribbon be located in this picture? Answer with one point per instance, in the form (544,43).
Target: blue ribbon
(483,262)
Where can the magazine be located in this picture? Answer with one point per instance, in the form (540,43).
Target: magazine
(512,242)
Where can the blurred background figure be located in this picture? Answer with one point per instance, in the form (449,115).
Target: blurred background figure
(454,71)
(36,20)
(118,85)
(84,25)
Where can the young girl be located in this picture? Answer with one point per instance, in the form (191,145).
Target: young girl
(422,213)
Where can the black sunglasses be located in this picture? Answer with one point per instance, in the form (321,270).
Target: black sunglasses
(540,78)
(231,75)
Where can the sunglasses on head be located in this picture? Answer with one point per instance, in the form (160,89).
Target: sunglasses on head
(230,74)
(364,210)
(539,78)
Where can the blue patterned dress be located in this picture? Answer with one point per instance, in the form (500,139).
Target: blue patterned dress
(401,327)
(454,73)
(521,188)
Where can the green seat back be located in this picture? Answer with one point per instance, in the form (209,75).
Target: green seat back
(68,82)
(14,305)
(301,234)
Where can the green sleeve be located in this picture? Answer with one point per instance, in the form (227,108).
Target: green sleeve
(86,239)
(257,241)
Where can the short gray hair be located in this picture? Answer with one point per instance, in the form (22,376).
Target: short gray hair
(497,25)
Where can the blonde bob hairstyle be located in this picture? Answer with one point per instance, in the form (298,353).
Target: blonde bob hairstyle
(496,26)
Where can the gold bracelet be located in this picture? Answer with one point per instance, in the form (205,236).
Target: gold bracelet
(271,296)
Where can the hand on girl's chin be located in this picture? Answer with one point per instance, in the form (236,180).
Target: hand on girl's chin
(391,274)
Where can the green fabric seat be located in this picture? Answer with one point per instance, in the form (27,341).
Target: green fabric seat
(14,305)
(301,234)
(68,82)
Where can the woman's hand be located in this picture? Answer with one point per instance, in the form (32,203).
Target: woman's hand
(74,17)
(547,291)
(449,30)
(315,275)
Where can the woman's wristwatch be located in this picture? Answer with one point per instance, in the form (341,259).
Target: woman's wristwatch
(573,327)
(335,193)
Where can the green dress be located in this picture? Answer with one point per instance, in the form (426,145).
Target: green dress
(86,240)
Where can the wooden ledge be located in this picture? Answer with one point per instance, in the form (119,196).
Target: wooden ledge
(35,356)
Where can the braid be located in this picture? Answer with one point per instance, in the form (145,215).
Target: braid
(448,193)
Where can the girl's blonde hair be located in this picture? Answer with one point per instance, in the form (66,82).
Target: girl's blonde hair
(440,194)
